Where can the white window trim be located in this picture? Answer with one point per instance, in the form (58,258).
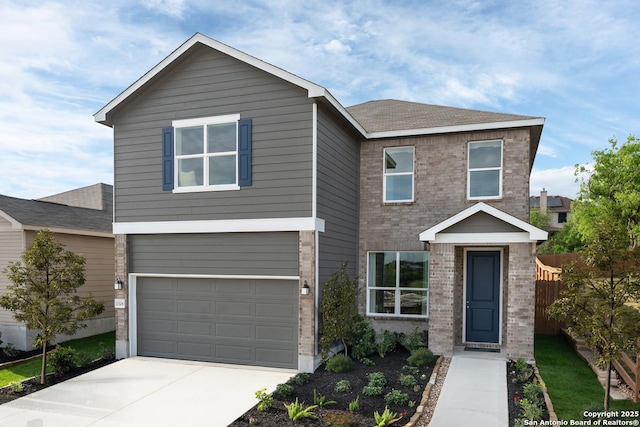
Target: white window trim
(500,169)
(204,121)
(396,312)
(385,175)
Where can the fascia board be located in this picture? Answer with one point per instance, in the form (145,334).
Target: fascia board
(456,128)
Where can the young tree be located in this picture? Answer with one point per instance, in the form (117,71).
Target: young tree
(43,292)
(338,309)
(611,192)
(594,303)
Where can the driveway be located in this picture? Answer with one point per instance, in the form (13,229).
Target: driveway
(142,391)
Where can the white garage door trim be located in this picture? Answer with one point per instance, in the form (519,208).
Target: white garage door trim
(132,311)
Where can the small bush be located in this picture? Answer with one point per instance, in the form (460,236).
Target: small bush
(414,340)
(284,390)
(321,400)
(367,362)
(396,397)
(298,411)
(83,359)
(342,386)
(372,390)
(533,392)
(410,370)
(354,405)
(530,410)
(266,400)
(107,352)
(421,357)
(62,360)
(339,363)
(387,342)
(361,338)
(408,380)
(299,379)
(377,379)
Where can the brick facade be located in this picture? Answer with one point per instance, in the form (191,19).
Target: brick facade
(307,319)
(122,314)
(440,180)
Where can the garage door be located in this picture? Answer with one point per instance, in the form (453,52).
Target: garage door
(249,322)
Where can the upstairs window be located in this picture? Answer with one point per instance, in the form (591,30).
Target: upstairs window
(398,174)
(484,172)
(208,153)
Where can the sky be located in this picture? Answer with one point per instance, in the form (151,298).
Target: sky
(574,62)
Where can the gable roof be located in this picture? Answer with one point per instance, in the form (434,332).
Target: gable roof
(403,118)
(528,231)
(37,214)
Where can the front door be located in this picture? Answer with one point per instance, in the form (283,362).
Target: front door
(483,296)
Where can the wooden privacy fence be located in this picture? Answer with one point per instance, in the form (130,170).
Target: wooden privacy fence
(548,287)
(629,372)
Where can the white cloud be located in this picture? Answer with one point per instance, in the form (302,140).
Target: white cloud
(558,182)
(174,8)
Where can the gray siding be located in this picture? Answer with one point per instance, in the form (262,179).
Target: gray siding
(271,254)
(482,223)
(338,177)
(209,83)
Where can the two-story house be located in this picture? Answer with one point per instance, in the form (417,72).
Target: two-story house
(556,208)
(240,188)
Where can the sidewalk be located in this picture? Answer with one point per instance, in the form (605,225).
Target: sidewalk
(474,392)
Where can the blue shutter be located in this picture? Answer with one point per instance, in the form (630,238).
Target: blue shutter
(167,159)
(244,152)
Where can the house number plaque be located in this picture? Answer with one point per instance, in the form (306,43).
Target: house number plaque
(119,303)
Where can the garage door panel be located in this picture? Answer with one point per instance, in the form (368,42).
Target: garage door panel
(253,322)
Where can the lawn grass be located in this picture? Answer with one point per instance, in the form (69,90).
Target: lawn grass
(572,385)
(93,346)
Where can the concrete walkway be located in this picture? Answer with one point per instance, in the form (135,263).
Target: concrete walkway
(474,392)
(145,392)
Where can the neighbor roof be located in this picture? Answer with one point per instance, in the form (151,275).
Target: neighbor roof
(36,214)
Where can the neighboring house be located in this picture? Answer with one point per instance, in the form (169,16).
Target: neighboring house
(238,185)
(81,220)
(557,208)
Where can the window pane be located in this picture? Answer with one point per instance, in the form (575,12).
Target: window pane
(485,155)
(381,301)
(190,140)
(222,170)
(484,183)
(399,187)
(398,160)
(189,172)
(221,137)
(413,302)
(382,269)
(414,270)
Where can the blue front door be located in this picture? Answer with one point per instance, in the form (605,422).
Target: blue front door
(483,296)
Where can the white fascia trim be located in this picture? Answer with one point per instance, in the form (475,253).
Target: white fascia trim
(456,128)
(220,226)
(477,238)
(534,233)
(68,231)
(313,89)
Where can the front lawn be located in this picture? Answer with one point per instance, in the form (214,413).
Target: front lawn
(94,347)
(572,385)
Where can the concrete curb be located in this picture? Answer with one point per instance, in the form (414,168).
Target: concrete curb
(425,395)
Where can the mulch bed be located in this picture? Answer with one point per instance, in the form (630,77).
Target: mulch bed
(7,394)
(324,383)
(515,392)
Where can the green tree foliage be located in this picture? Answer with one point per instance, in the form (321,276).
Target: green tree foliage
(43,292)
(594,303)
(538,219)
(338,309)
(611,193)
(565,240)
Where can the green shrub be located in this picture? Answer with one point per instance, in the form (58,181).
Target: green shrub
(377,379)
(367,362)
(372,390)
(266,400)
(530,410)
(396,397)
(533,392)
(62,360)
(361,338)
(339,363)
(421,357)
(342,386)
(298,411)
(386,418)
(410,370)
(299,379)
(354,405)
(83,359)
(284,390)
(387,342)
(414,340)
(408,380)
(321,400)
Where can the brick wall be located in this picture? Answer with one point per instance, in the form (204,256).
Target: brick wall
(122,317)
(521,301)
(307,318)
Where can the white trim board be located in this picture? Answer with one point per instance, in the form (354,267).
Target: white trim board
(220,226)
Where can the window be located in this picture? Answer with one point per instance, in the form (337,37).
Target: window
(484,177)
(398,283)
(562,217)
(398,174)
(208,153)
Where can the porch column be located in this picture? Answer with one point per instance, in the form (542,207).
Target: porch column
(521,301)
(441,298)
(307,315)
(122,317)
